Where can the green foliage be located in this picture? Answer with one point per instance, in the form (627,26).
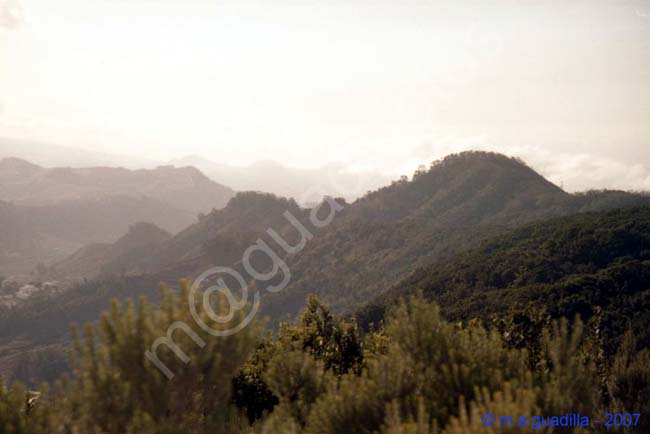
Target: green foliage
(441,377)
(630,381)
(523,328)
(34,367)
(196,400)
(449,357)
(463,199)
(420,374)
(250,391)
(569,384)
(568,266)
(13,406)
(331,341)
(507,401)
(116,389)
(298,381)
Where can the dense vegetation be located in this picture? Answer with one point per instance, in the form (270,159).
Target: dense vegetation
(419,374)
(587,264)
(441,211)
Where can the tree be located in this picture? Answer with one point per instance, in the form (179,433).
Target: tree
(116,389)
(420,374)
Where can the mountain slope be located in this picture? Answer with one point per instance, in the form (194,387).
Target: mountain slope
(21,246)
(49,233)
(567,265)
(383,237)
(220,237)
(96,259)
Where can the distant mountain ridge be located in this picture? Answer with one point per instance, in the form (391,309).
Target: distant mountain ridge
(56,155)
(185,188)
(58,210)
(306,186)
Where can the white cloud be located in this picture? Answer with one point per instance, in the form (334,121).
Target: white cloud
(577,172)
(574,171)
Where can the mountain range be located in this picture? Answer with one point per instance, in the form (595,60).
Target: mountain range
(48,213)
(374,242)
(306,186)
(50,154)
(185,188)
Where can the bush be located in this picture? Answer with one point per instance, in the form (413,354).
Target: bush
(418,375)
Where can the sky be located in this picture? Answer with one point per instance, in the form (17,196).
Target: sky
(371,84)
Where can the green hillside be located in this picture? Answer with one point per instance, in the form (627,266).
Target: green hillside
(568,266)
(451,207)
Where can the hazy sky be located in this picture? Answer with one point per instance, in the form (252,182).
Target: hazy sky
(370,83)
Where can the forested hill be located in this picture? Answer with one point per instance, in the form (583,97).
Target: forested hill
(217,238)
(459,201)
(568,266)
(113,258)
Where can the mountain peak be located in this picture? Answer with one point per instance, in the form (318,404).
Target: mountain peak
(469,186)
(492,166)
(482,155)
(141,234)
(468,159)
